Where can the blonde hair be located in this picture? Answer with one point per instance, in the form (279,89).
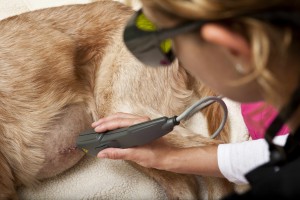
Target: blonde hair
(266,40)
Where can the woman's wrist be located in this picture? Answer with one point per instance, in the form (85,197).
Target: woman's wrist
(172,161)
(196,160)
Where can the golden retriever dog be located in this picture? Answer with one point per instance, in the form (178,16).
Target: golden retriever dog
(63,68)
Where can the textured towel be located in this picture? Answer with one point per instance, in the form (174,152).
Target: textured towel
(97,179)
(93,178)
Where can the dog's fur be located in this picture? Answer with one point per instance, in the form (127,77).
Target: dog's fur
(63,68)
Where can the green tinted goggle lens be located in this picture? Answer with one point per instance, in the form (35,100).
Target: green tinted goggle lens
(144,24)
(148,44)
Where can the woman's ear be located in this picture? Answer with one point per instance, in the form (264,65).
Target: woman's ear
(224,37)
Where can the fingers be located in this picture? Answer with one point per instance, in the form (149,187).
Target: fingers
(139,155)
(152,155)
(115,154)
(118,120)
(112,117)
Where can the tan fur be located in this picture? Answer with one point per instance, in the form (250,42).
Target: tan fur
(63,68)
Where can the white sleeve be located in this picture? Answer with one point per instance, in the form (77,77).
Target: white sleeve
(236,159)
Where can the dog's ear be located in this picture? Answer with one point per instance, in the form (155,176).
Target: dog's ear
(7,186)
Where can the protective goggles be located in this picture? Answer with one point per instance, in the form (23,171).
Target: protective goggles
(151,46)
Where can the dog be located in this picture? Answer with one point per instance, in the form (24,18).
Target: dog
(63,68)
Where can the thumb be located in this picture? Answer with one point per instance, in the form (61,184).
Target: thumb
(114,153)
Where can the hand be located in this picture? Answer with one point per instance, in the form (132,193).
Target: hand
(118,120)
(152,155)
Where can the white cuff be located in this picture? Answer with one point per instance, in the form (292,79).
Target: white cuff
(235,160)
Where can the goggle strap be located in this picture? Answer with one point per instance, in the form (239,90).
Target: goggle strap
(169,33)
(284,115)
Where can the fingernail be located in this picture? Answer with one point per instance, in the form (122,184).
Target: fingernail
(98,128)
(94,124)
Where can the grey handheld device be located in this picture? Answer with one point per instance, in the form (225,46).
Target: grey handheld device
(92,142)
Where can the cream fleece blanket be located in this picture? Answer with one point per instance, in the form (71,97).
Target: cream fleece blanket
(92,178)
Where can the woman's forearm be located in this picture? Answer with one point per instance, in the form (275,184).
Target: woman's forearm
(198,160)
(231,161)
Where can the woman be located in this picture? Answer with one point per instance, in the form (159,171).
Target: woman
(247,51)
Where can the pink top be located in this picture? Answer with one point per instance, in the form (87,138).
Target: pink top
(257,117)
